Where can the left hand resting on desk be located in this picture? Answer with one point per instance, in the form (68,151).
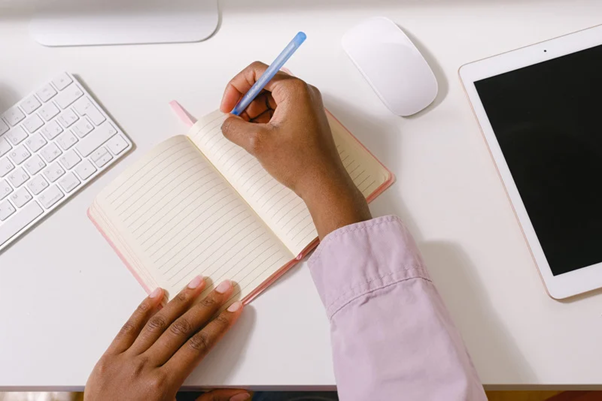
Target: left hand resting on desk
(157,349)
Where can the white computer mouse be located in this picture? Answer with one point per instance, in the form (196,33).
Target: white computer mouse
(392,65)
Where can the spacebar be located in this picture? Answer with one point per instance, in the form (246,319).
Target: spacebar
(18,221)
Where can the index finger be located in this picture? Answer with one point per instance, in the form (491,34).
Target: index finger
(244,80)
(186,359)
(132,328)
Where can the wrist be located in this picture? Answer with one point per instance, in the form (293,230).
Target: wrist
(334,204)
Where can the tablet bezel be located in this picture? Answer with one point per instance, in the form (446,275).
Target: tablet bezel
(567,284)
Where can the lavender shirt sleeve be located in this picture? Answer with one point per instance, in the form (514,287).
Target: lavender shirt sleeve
(392,336)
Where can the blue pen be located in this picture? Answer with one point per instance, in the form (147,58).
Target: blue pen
(269,74)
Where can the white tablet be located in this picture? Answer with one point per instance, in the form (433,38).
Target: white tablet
(540,110)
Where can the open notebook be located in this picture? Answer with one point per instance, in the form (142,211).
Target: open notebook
(198,204)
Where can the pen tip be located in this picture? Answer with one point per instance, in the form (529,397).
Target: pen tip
(301,36)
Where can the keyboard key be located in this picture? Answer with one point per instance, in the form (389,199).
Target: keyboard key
(21,197)
(68,96)
(3,127)
(86,108)
(51,152)
(4,146)
(51,196)
(5,189)
(13,116)
(30,104)
(46,93)
(16,135)
(35,142)
(68,118)
(85,169)
(69,182)
(98,153)
(19,221)
(117,144)
(99,136)
(82,128)
(34,165)
(19,155)
(5,166)
(70,159)
(67,140)
(37,184)
(18,177)
(6,210)
(62,81)
(51,130)
(101,156)
(49,111)
(54,172)
(33,123)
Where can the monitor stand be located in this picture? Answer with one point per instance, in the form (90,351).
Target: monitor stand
(110,22)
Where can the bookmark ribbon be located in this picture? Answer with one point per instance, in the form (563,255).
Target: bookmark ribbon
(182,114)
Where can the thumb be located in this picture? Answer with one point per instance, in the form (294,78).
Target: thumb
(244,134)
(225,395)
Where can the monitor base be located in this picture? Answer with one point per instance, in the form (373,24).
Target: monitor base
(135,22)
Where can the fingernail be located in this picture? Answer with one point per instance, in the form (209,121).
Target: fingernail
(155,293)
(235,306)
(195,282)
(224,286)
(241,397)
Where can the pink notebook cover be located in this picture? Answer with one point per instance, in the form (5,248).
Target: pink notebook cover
(190,121)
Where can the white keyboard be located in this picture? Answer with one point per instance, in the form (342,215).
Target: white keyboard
(52,143)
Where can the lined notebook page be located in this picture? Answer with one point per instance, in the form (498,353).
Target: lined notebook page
(180,218)
(365,170)
(283,211)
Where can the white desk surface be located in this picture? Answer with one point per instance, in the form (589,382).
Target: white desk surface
(64,293)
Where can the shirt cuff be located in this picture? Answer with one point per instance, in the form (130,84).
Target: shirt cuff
(362,258)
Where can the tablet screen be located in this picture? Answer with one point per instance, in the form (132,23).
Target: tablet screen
(548,121)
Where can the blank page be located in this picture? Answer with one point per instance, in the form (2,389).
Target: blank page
(172,216)
(283,211)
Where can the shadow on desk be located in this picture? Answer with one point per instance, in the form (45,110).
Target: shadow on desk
(8,97)
(491,346)
(222,360)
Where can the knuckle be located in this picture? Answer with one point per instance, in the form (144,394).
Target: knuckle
(256,142)
(127,328)
(257,64)
(181,327)
(226,126)
(209,302)
(299,85)
(200,342)
(222,321)
(138,365)
(157,323)
(253,143)
(232,82)
(157,383)
(315,92)
(182,297)
(102,366)
(143,307)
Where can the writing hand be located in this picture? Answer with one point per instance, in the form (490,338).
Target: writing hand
(286,128)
